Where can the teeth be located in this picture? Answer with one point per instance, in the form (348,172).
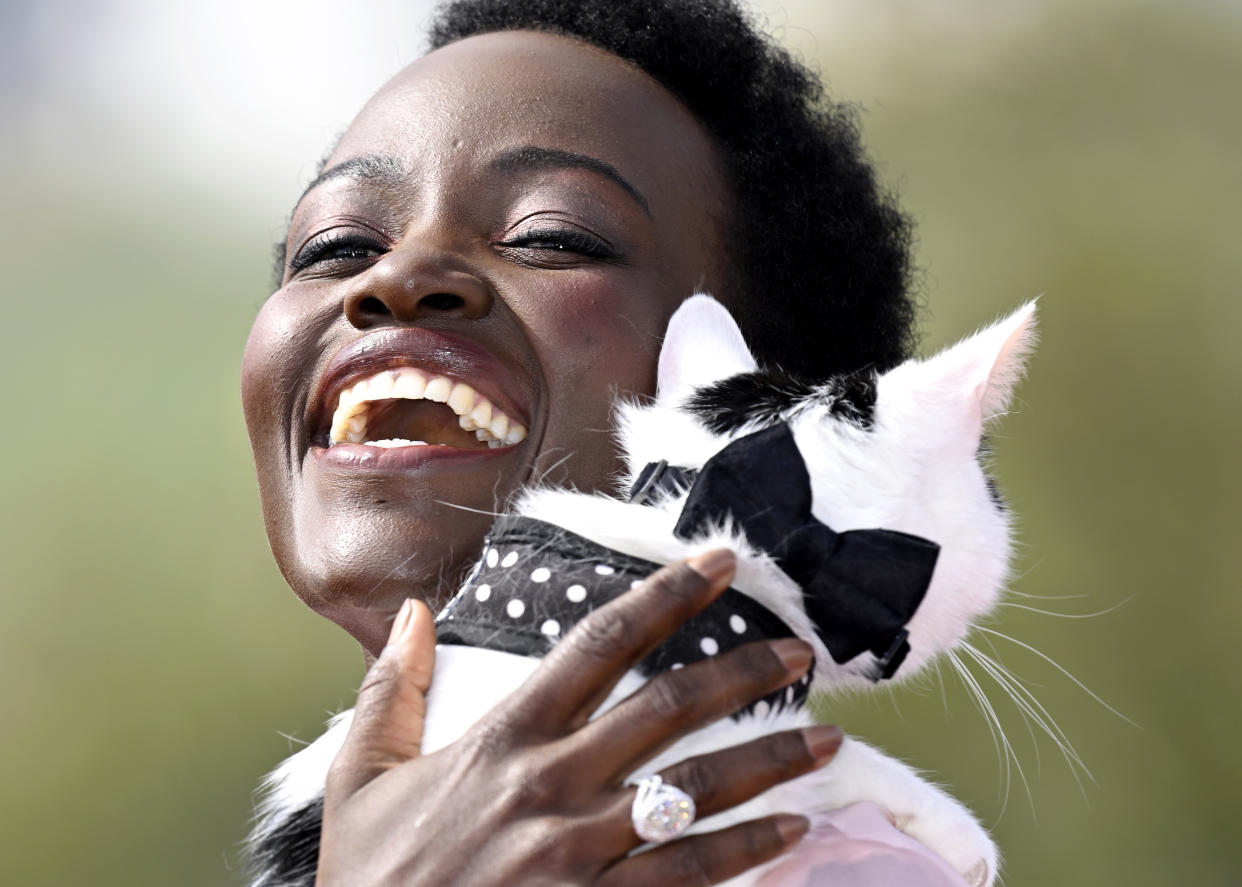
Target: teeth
(475,413)
(462,399)
(517,434)
(409,386)
(481,415)
(394,442)
(438,389)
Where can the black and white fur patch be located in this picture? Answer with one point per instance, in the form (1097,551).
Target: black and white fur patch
(765,397)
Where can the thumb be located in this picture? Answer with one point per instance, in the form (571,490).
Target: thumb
(387,728)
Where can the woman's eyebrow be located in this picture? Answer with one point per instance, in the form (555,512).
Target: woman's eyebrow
(531,157)
(387,170)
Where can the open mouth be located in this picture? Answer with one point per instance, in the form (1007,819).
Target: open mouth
(409,407)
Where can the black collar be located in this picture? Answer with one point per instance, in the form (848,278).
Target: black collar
(536,580)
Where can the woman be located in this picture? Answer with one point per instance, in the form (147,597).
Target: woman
(521,210)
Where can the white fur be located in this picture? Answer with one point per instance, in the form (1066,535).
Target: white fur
(916,470)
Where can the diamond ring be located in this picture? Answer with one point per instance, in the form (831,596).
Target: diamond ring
(660,811)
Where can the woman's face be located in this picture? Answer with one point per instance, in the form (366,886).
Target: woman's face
(518,212)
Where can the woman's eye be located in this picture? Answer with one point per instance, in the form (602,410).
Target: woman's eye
(335,249)
(561,240)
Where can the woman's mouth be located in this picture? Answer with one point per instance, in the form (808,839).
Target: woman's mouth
(408,407)
(401,396)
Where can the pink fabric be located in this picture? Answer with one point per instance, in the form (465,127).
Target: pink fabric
(857,846)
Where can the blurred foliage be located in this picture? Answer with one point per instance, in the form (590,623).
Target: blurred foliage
(150,655)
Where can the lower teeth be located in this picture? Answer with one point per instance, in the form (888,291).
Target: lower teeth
(396,442)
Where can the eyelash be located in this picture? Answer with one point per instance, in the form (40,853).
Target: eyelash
(562,240)
(334,246)
(328,248)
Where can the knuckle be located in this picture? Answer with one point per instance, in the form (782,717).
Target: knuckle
(530,787)
(671,697)
(697,779)
(757,664)
(606,634)
(786,755)
(679,581)
(690,864)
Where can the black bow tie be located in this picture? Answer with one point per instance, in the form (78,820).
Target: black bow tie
(860,587)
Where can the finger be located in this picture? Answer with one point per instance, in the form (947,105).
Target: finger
(581,671)
(387,728)
(723,779)
(676,702)
(710,858)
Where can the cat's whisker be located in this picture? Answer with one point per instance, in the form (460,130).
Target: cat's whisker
(1046,722)
(1033,712)
(545,472)
(1004,749)
(467,508)
(1059,668)
(1104,612)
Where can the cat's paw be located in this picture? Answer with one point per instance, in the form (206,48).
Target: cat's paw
(922,810)
(955,837)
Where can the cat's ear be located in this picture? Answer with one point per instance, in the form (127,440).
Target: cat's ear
(702,345)
(989,364)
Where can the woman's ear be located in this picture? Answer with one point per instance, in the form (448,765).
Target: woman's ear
(702,345)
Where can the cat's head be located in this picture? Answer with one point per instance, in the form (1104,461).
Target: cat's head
(899,450)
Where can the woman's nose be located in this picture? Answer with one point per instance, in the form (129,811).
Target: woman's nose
(415,281)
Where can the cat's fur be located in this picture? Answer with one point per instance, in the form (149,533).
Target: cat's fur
(898,451)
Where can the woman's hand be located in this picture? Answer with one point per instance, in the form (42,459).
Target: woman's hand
(532,793)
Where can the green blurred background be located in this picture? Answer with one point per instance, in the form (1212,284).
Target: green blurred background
(151,658)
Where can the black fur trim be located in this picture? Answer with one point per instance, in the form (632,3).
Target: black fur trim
(288,854)
(984,455)
(769,396)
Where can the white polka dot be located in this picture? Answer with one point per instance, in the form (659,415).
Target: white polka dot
(551,628)
(483,592)
(789,695)
(576,593)
(540,575)
(676,665)
(492,556)
(515,609)
(510,559)
(604,570)
(636,583)
(709,646)
(761,708)
(737,623)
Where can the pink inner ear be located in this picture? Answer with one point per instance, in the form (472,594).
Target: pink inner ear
(702,345)
(1016,335)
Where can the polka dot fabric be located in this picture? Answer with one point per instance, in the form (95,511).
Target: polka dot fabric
(535,581)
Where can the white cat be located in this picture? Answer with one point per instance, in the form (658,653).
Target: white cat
(898,452)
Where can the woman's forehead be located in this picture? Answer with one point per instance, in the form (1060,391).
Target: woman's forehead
(493,93)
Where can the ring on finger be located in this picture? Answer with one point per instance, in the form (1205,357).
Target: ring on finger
(660,811)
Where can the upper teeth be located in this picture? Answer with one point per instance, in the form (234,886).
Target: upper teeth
(477,413)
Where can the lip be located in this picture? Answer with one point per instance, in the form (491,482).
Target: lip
(362,457)
(442,353)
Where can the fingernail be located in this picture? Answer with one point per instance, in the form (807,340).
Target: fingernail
(794,654)
(401,621)
(791,828)
(714,565)
(822,743)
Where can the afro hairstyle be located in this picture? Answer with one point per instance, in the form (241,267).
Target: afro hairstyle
(820,271)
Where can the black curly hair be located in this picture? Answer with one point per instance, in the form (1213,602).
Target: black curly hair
(822,267)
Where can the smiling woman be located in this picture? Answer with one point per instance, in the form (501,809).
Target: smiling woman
(490,255)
